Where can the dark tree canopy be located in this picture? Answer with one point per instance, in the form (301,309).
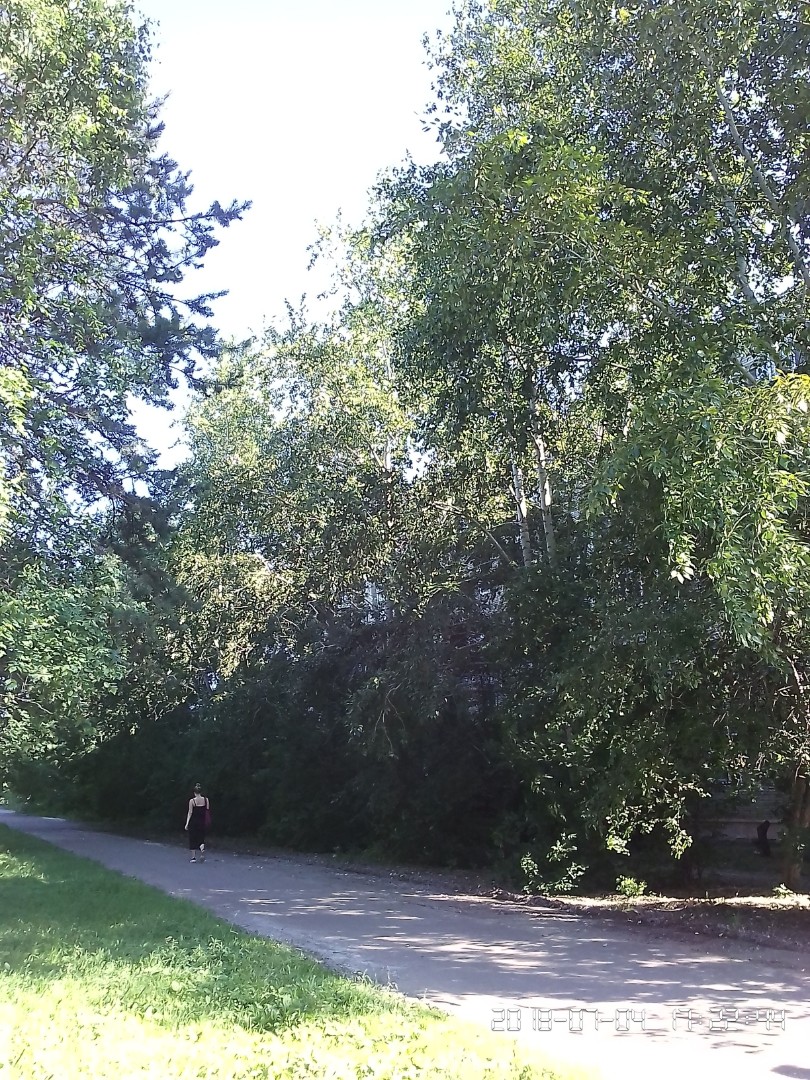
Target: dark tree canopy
(507,558)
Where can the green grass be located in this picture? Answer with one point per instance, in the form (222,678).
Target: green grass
(101,976)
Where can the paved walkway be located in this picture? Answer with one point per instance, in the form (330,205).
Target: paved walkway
(689,1010)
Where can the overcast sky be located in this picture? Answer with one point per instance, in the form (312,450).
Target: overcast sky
(296,106)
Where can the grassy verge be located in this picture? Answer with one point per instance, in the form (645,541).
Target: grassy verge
(101,976)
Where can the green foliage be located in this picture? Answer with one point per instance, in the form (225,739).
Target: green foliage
(782,892)
(630,887)
(656,297)
(57,655)
(97,234)
(556,873)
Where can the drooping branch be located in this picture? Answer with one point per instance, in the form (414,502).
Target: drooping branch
(449,508)
(786,221)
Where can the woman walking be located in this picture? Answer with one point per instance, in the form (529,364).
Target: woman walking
(196,822)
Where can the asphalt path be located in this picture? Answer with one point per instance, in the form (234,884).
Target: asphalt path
(627,1004)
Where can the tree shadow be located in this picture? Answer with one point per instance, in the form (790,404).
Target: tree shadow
(66,920)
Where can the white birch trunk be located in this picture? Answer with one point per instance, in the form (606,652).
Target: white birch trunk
(544,485)
(543,480)
(522,515)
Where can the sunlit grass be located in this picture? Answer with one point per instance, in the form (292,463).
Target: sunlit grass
(101,976)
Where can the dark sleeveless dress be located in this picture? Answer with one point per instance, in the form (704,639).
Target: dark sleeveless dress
(196,826)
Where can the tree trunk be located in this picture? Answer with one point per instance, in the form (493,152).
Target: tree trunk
(543,480)
(522,515)
(797,827)
(544,485)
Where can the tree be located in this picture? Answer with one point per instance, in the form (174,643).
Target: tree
(96,235)
(622,210)
(519,538)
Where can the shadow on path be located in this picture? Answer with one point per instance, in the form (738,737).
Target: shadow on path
(493,963)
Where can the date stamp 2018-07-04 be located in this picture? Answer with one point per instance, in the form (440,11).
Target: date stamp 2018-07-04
(715,1019)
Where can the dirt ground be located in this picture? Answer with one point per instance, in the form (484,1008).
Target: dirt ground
(781,923)
(734,912)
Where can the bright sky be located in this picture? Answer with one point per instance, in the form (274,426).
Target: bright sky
(296,105)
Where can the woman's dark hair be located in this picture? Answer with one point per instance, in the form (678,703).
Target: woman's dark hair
(198,787)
